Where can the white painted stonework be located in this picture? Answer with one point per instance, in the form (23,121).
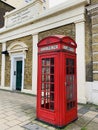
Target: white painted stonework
(81,76)
(34,65)
(92,92)
(70,12)
(3,65)
(26,13)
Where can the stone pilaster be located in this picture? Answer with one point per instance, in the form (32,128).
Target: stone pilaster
(3,66)
(34,63)
(81,76)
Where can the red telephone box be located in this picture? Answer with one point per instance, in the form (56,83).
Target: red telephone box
(57,80)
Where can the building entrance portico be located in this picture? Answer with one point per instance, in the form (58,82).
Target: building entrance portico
(17,52)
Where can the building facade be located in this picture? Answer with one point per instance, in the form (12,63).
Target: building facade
(24,28)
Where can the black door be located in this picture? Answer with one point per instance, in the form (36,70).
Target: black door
(18,75)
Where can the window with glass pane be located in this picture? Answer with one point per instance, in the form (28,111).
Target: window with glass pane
(47,87)
(70,77)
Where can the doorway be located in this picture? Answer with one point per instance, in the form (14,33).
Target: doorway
(17,72)
(18,75)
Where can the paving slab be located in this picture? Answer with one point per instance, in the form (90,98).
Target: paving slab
(83,110)
(92,126)
(72,127)
(82,121)
(34,127)
(97,116)
(95,120)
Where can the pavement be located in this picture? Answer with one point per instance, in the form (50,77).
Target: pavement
(18,112)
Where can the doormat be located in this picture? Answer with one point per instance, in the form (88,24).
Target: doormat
(34,127)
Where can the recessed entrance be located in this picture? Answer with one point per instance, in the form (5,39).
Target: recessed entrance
(17,51)
(18,75)
(17,72)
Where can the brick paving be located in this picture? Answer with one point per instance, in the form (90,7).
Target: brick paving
(18,112)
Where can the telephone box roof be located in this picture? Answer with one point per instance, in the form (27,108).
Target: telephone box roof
(55,39)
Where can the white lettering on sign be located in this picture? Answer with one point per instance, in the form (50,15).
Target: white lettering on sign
(68,48)
(49,48)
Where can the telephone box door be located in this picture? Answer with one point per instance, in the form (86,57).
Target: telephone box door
(70,87)
(47,94)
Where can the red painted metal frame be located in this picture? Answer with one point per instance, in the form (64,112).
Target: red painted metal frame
(60,48)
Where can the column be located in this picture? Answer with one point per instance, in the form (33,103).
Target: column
(34,63)
(81,74)
(3,66)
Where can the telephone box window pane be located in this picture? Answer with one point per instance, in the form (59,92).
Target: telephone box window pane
(52,96)
(52,61)
(43,70)
(47,69)
(43,78)
(42,103)
(52,78)
(52,70)
(43,62)
(42,94)
(47,78)
(47,88)
(43,85)
(52,87)
(47,61)
(47,95)
(52,105)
